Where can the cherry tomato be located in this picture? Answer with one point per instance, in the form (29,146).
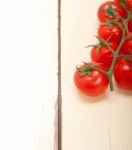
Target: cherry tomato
(130,25)
(128,3)
(92,84)
(127,46)
(107,9)
(114,33)
(103,54)
(123,74)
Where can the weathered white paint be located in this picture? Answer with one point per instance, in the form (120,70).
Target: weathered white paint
(86,125)
(45,72)
(28,74)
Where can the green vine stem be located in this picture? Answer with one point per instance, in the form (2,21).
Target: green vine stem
(115,53)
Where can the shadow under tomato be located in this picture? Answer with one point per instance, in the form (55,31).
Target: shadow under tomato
(92,99)
(123,91)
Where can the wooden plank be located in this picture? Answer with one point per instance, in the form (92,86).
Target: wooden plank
(104,125)
(45,72)
(28,74)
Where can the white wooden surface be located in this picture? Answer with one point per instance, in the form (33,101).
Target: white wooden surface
(103,125)
(28,74)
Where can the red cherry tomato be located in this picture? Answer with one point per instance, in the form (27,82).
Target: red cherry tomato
(92,84)
(105,13)
(114,33)
(104,54)
(130,25)
(128,3)
(127,46)
(123,74)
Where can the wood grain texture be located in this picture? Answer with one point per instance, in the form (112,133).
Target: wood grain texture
(45,68)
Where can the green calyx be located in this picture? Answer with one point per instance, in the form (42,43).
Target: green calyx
(111,11)
(122,1)
(111,23)
(101,43)
(86,70)
(99,46)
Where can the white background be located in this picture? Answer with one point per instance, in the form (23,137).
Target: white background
(28,74)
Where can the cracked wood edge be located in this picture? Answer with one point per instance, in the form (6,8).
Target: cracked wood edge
(58,105)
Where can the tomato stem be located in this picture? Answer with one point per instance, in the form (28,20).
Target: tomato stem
(102,71)
(125,56)
(111,84)
(116,53)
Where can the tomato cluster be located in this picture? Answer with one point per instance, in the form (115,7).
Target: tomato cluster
(112,56)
